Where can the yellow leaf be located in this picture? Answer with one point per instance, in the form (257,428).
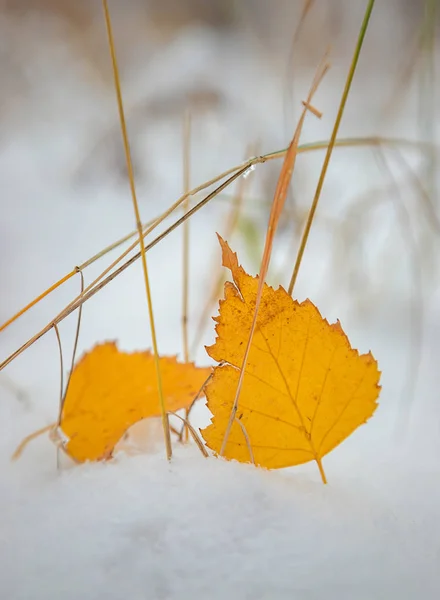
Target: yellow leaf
(111,390)
(305,389)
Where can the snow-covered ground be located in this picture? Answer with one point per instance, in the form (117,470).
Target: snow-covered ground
(142,528)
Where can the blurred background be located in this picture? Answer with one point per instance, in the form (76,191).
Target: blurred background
(241,68)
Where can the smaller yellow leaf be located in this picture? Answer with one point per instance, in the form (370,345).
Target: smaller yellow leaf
(110,390)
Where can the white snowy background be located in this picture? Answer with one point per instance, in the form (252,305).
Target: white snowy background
(139,527)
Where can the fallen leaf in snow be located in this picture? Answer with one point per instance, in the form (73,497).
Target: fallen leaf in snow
(110,390)
(305,389)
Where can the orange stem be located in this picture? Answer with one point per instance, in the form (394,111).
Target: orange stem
(37,299)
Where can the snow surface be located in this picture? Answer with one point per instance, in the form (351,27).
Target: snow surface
(142,528)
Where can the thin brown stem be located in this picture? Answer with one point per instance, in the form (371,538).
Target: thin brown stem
(275,213)
(75,348)
(166,430)
(331,145)
(149,227)
(88,294)
(185,249)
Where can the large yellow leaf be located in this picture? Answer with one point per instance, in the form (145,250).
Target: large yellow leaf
(110,390)
(305,389)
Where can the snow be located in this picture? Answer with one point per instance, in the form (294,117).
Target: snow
(140,527)
(143,528)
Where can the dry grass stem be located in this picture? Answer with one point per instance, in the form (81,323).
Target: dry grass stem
(118,91)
